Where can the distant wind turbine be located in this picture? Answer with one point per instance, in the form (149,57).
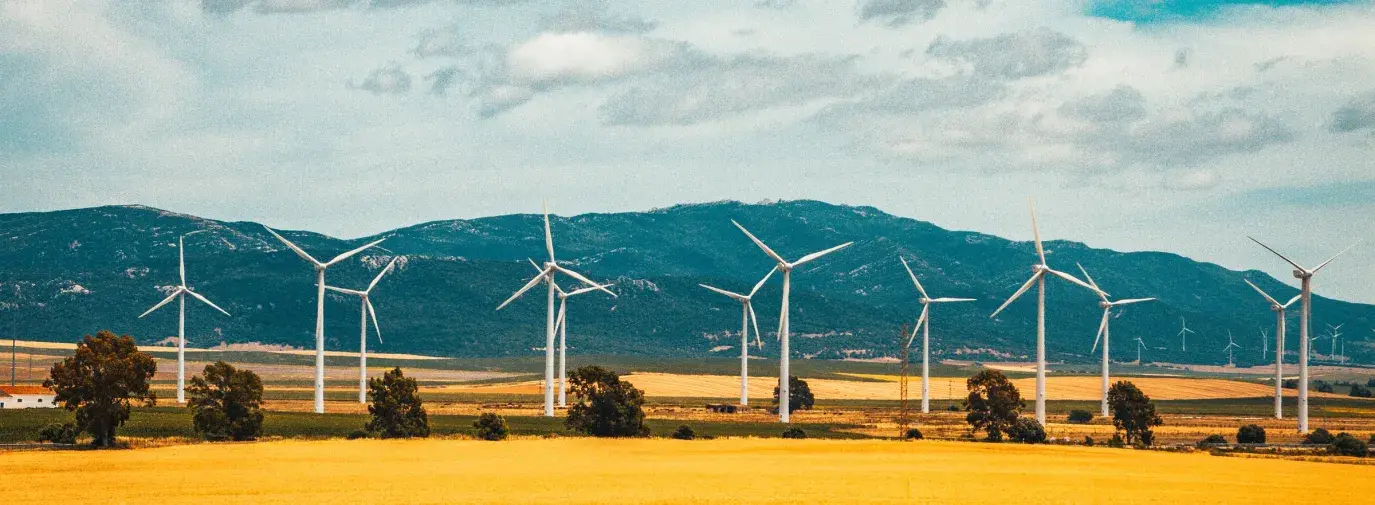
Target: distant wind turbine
(787,268)
(1334,333)
(180,295)
(547,275)
(1305,277)
(320,309)
(747,318)
(1280,324)
(1184,332)
(1103,329)
(1139,346)
(1230,345)
(561,327)
(367,310)
(1038,277)
(924,325)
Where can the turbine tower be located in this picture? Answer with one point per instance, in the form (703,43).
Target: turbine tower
(546,275)
(747,317)
(178,294)
(366,310)
(1038,277)
(787,268)
(1184,332)
(320,309)
(1305,277)
(1230,345)
(1103,329)
(1280,324)
(1139,346)
(924,325)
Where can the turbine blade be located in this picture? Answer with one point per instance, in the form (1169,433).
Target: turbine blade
(1277,253)
(819,254)
(560,320)
(761,282)
(1292,300)
(914,278)
(1130,301)
(1262,293)
(164,301)
(206,300)
(761,245)
(1101,326)
(925,310)
(345,291)
(548,233)
(1075,280)
(293,247)
(1019,293)
(1036,231)
(533,281)
(181,259)
(384,271)
(1329,260)
(581,278)
(952,300)
(1089,278)
(372,311)
(736,296)
(588,290)
(349,254)
(755,321)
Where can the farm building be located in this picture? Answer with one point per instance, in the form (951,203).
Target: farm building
(26,397)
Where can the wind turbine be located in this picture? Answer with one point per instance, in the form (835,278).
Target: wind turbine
(1230,345)
(1264,344)
(1334,333)
(1184,332)
(561,326)
(366,310)
(179,294)
(320,309)
(1305,277)
(747,317)
(1139,346)
(924,324)
(783,322)
(1103,329)
(1038,277)
(1280,324)
(547,274)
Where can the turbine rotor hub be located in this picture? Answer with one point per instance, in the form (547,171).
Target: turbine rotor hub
(1301,274)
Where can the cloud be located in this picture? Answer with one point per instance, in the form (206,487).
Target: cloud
(587,57)
(1028,53)
(389,80)
(774,4)
(299,6)
(1195,180)
(1124,104)
(585,16)
(895,13)
(1358,114)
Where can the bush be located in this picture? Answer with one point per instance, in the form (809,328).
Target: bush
(684,432)
(1027,431)
(1088,441)
(1346,445)
(1324,387)
(1133,413)
(397,411)
(953,408)
(912,434)
(1318,437)
(799,395)
(357,434)
(490,426)
(994,404)
(59,433)
(607,406)
(101,381)
(1212,440)
(794,432)
(1370,383)
(227,403)
(1291,384)
(1079,417)
(1359,392)
(1251,434)
(1116,441)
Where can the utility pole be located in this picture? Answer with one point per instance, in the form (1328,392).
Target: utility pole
(904,419)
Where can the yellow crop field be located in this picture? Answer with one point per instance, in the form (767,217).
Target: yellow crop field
(668,471)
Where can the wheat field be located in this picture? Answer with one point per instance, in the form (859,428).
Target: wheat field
(772,471)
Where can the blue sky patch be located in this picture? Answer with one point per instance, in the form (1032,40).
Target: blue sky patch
(1159,11)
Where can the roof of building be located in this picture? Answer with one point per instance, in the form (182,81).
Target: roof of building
(24,390)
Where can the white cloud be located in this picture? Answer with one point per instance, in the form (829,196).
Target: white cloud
(585,56)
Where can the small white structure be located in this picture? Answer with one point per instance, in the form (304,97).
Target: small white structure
(26,397)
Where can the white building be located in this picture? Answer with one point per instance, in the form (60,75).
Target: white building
(26,397)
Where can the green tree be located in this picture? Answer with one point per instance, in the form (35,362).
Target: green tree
(397,411)
(1318,437)
(799,395)
(100,381)
(1251,434)
(1132,413)
(607,406)
(491,426)
(1079,417)
(227,403)
(684,432)
(994,404)
(1027,431)
(1346,445)
(1359,392)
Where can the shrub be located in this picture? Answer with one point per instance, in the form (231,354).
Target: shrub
(1116,441)
(607,406)
(1027,431)
(1359,392)
(1324,387)
(684,432)
(912,434)
(491,426)
(1133,413)
(1370,383)
(100,382)
(994,404)
(1251,434)
(1346,445)
(1211,441)
(1318,437)
(953,407)
(227,403)
(397,411)
(59,433)
(1088,441)
(1291,384)
(357,434)
(799,395)
(794,432)
(1080,417)
(1372,440)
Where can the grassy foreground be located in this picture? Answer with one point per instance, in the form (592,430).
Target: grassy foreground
(570,470)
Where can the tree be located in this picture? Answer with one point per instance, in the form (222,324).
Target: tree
(912,434)
(1251,434)
(794,432)
(1370,383)
(1360,392)
(491,426)
(607,406)
(799,395)
(227,403)
(684,432)
(1346,445)
(1212,440)
(1318,437)
(994,404)
(1079,417)
(397,411)
(1027,431)
(1132,413)
(100,381)
(64,433)
(1324,387)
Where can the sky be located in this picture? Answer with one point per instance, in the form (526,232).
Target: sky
(1171,125)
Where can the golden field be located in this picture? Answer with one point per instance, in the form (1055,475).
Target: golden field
(669,471)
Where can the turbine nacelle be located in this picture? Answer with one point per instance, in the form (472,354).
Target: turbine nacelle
(1303,274)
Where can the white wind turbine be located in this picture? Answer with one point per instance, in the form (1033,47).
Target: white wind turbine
(783,322)
(546,275)
(366,311)
(320,309)
(747,318)
(561,326)
(1280,324)
(1264,344)
(1139,346)
(180,295)
(1103,329)
(1334,333)
(1230,345)
(924,325)
(1038,277)
(1305,277)
(1184,332)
